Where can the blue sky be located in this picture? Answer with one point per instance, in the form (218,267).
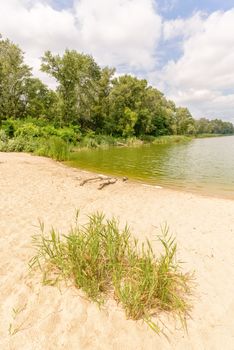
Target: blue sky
(184,8)
(173,8)
(184,48)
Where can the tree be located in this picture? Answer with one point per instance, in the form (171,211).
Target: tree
(13,76)
(101,108)
(125,104)
(40,101)
(77,75)
(157,119)
(185,123)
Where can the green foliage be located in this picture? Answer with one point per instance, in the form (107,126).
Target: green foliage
(104,260)
(28,130)
(125,104)
(216,126)
(19,144)
(9,127)
(171,139)
(184,122)
(87,99)
(40,101)
(3,136)
(78,76)
(13,75)
(54,147)
(68,134)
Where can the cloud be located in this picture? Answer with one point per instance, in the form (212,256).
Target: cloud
(131,36)
(203,77)
(182,28)
(167,5)
(122,33)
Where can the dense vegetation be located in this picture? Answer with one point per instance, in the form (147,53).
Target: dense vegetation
(90,103)
(103,261)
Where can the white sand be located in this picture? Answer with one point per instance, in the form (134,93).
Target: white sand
(48,318)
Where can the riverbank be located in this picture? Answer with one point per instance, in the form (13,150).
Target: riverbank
(44,317)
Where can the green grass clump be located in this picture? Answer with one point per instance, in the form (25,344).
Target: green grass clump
(104,261)
(54,147)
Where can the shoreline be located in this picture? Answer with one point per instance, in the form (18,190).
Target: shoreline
(158,185)
(35,188)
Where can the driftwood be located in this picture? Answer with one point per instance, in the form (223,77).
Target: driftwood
(100,178)
(106,180)
(120,144)
(106,183)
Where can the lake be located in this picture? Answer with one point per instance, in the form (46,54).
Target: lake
(201,165)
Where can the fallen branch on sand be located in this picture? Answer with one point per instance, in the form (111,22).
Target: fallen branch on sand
(105,181)
(100,178)
(108,182)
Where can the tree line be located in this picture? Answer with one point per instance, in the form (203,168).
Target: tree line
(92,98)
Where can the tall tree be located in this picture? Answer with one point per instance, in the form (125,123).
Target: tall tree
(40,101)
(126,98)
(185,123)
(13,76)
(77,75)
(101,108)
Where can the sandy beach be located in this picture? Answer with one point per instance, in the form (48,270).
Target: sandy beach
(37,317)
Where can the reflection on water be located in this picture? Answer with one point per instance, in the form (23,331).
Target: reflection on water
(204,165)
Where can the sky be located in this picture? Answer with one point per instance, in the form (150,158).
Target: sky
(184,48)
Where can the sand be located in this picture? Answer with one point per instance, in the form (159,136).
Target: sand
(33,316)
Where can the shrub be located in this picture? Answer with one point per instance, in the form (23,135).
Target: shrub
(49,130)
(20,144)
(9,126)
(3,136)
(103,260)
(28,130)
(68,135)
(3,146)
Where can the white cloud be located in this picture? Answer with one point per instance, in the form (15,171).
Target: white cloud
(167,5)
(123,32)
(203,78)
(120,33)
(127,34)
(182,27)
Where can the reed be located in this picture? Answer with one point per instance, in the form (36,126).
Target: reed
(103,260)
(54,147)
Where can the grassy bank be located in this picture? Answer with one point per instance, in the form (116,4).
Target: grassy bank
(41,138)
(105,261)
(203,136)
(162,140)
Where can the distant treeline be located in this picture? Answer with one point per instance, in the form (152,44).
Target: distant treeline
(91,98)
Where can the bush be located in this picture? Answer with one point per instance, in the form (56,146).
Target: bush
(68,135)
(3,136)
(3,146)
(49,130)
(103,260)
(20,144)
(9,126)
(28,130)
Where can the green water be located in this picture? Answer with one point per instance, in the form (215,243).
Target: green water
(201,165)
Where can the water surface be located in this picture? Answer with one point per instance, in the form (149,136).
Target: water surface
(201,165)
